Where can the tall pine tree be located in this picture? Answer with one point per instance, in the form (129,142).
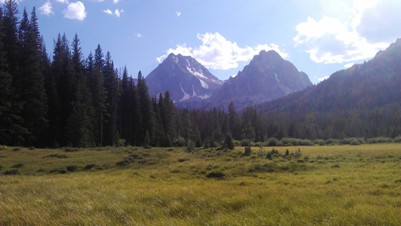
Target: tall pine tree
(79,124)
(31,81)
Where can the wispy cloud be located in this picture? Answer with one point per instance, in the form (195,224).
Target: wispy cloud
(216,52)
(178,13)
(116,12)
(75,11)
(46,9)
(138,35)
(108,11)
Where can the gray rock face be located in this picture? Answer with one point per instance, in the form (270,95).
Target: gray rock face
(266,77)
(185,79)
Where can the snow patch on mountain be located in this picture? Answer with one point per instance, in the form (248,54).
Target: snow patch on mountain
(196,73)
(186,95)
(275,75)
(204,84)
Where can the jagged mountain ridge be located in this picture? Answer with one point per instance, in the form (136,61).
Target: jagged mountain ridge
(184,77)
(268,76)
(373,84)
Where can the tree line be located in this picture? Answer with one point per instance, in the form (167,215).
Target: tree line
(70,99)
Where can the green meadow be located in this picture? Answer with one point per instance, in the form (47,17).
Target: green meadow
(321,185)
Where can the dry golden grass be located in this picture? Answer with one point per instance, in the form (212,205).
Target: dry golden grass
(328,185)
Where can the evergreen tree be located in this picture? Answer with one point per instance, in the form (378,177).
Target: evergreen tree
(79,125)
(10,29)
(60,89)
(228,141)
(125,107)
(6,113)
(99,94)
(233,121)
(112,101)
(15,127)
(31,81)
(145,105)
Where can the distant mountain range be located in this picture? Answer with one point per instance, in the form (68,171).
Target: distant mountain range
(373,84)
(267,77)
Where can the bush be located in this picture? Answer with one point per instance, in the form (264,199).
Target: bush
(190,146)
(179,142)
(229,142)
(272,142)
(247,151)
(332,142)
(11,172)
(319,142)
(287,141)
(121,143)
(56,156)
(245,143)
(123,162)
(19,165)
(217,175)
(352,141)
(71,149)
(90,166)
(377,140)
(71,168)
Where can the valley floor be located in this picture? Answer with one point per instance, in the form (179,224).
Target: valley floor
(326,185)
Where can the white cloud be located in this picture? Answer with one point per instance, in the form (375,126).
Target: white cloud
(138,35)
(117,12)
(216,52)
(115,1)
(321,79)
(108,11)
(75,11)
(348,65)
(178,13)
(342,40)
(46,9)
(62,1)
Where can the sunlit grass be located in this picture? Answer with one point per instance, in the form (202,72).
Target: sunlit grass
(336,185)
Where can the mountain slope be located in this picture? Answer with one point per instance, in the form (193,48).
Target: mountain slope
(184,77)
(375,83)
(266,77)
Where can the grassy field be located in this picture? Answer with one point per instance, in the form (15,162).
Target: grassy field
(326,185)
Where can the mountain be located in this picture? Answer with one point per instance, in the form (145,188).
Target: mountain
(373,84)
(184,77)
(268,76)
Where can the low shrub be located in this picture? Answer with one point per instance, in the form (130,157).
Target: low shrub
(247,151)
(245,142)
(377,140)
(71,149)
(272,142)
(90,166)
(19,165)
(217,175)
(353,141)
(71,168)
(56,156)
(123,162)
(11,172)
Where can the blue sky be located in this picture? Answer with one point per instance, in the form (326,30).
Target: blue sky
(318,36)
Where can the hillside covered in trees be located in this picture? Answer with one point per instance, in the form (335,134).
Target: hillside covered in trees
(72,100)
(68,99)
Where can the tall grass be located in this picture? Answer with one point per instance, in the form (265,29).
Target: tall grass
(333,185)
